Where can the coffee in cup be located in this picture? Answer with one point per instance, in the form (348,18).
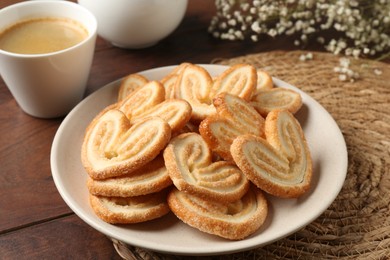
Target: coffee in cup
(42,35)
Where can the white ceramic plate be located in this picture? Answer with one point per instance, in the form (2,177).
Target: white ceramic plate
(169,234)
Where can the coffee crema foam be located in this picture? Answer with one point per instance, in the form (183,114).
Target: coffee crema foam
(42,35)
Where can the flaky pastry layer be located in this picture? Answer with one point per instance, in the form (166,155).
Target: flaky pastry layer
(235,220)
(117,210)
(280,164)
(234,117)
(113,147)
(190,166)
(151,178)
(276,99)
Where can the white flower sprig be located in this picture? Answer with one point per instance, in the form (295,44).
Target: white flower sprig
(361,27)
(345,72)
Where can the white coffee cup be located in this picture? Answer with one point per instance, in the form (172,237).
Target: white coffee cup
(48,85)
(136,24)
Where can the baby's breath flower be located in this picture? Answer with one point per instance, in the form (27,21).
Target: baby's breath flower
(256,27)
(363,25)
(345,72)
(342,77)
(378,72)
(307,56)
(254,38)
(272,32)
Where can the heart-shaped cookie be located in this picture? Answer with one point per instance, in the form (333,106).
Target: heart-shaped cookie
(276,98)
(280,165)
(235,220)
(136,104)
(169,81)
(239,80)
(193,85)
(117,210)
(176,112)
(129,84)
(113,147)
(151,178)
(190,166)
(234,117)
(149,100)
(264,81)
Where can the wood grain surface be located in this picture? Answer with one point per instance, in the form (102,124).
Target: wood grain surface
(35,223)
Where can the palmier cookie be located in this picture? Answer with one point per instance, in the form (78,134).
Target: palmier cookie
(264,81)
(234,117)
(280,165)
(239,80)
(142,99)
(118,210)
(129,84)
(151,178)
(193,85)
(189,163)
(113,147)
(176,112)
(277,98)
(235,220)
(169,81)
(149,100)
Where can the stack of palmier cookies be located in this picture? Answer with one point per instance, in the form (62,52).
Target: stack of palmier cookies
(206,148)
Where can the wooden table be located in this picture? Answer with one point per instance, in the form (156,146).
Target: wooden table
(35,223)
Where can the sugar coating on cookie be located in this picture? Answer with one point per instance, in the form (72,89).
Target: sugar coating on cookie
(234,221)
(280,164)
(129,84)
(234,117)
(113,147)
(276,99)
(190,166)
(118,210)
(151,178)
(239,80)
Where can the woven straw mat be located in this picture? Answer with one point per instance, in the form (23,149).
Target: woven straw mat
(357,224)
